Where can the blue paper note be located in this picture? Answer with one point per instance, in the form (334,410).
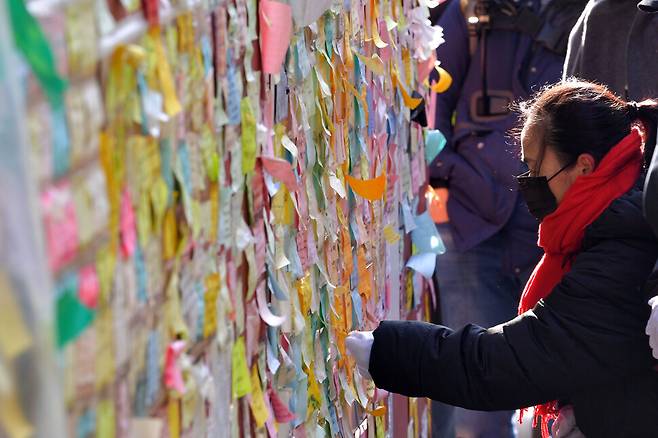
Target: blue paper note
(435,141)
(329,34)
(61,145)
(86,424)
(357,314)
(165,166)
(423,263)
(301,399)
(143,91)
(184,161)
(207,54)
(140,273)
(391,122)
(233,99)
(425,236)
(275,287)
(295,266)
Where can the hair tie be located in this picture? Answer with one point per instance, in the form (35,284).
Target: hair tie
(633,110)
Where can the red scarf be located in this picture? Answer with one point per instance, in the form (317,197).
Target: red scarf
(561,233)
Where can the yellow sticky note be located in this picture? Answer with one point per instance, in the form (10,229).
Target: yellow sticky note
(159,196)
(14,336)
(241,381)
(409,102)
(214,211)
(376,38)
(304,293)
(13,419)
(257,403)
(169,235)
(210,298)
(173,416)
(171,104)
(314,397)
(374,64)
(105,419)
(445,80)
(248,136)
(391,235)
(105,263)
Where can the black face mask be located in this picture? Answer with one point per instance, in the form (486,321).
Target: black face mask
(537,194)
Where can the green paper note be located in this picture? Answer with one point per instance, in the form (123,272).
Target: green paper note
(72,316)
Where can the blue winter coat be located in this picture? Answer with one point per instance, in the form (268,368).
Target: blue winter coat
(480,161)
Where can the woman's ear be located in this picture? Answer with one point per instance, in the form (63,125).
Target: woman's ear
(585,164)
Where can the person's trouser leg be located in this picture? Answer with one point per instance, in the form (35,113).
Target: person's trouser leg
(474,288)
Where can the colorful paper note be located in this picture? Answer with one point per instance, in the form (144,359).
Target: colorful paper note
(257,402)
(425,236)
(89,288)
(128,226)
(275,30)
(281,170)
(241,382)
(423,263)
(73,317)
(445,81)
(173,375)
(371,189)
(435,141)
(249,145)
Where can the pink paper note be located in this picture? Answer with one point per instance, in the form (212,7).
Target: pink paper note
(275,21)
(263,309)
(281,411)
(281,170)
(61,226)
(173,377)
(128,230)
(88,287)
(386,52)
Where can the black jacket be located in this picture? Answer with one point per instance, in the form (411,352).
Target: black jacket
(584,344)
(615,42)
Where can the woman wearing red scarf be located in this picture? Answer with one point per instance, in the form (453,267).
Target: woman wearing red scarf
(579,336)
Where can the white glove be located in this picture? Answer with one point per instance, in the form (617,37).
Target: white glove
(359,345)
(652,326)
(565,426)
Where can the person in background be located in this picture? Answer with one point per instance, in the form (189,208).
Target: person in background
(497,52)
(579,336)
(616,43)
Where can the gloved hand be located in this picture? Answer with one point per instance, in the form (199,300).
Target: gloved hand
(652,326)
(565,426)
(359,345)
